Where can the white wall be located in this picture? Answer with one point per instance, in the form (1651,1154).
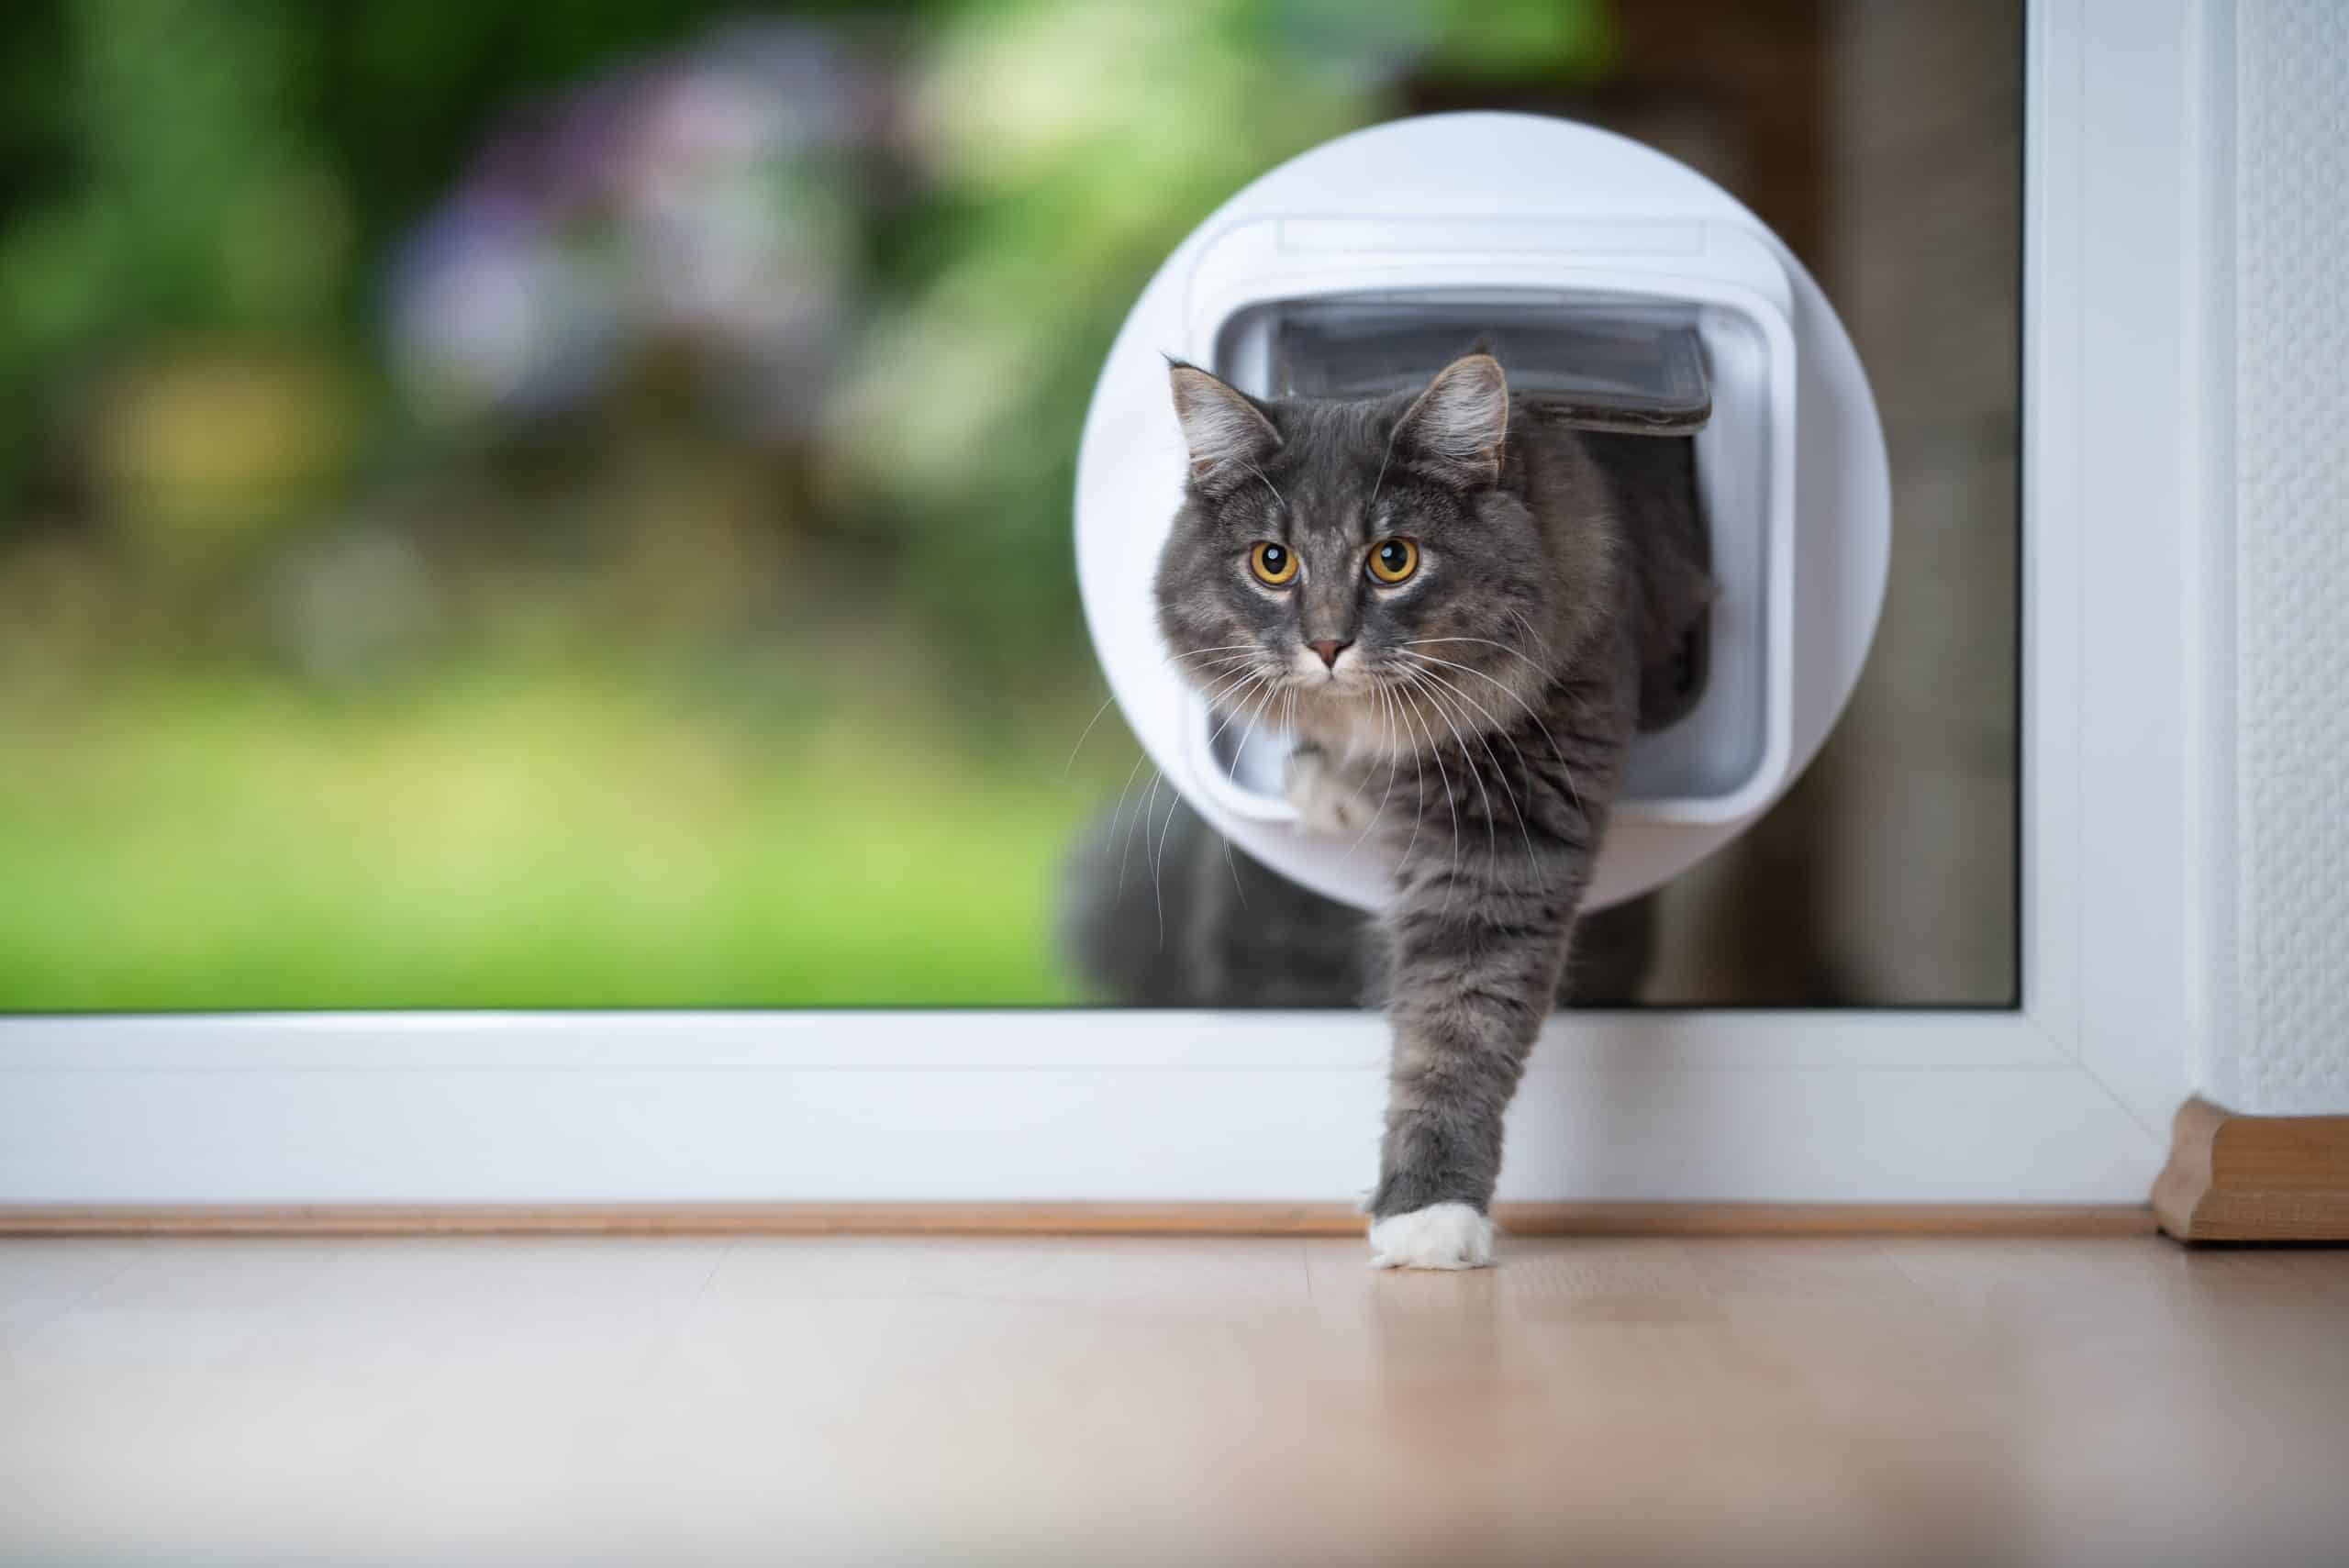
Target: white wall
(2288,1049)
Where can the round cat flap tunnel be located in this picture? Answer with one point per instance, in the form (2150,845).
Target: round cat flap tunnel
(1620,285)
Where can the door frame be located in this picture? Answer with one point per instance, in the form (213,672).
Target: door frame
(2065,1099)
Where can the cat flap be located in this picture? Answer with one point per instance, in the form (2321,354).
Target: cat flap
(1610,367)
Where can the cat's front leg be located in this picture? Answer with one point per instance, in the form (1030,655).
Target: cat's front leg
(1476,966)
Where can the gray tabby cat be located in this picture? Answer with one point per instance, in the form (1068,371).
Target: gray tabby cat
(1448,601)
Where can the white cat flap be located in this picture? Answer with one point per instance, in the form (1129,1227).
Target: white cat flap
(1625,292)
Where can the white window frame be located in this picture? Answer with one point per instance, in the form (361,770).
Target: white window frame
(2066,1099)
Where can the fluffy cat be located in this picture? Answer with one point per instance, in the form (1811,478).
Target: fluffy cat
(1448,601)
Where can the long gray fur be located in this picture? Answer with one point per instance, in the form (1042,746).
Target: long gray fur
(1490,699)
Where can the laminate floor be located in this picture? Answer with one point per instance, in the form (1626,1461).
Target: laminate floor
(841,1399)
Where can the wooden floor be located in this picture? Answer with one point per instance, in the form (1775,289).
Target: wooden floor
(1102,1400)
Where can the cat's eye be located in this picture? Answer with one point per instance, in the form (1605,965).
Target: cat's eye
(1392,559)
(1275,564)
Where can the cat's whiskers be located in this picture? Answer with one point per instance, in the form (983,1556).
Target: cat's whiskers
(1249,688)
(1244,650)
(1364,783)
(1565,767)
(1492,833)
(1490,720)
(1532,862)
(1540,671)
(1233,867)
(1146,819)
(1419,782)
(1500,774)
(1386,712)
(1540,641)
(1216,669)
(1126,851)
(1085,732)
(1206,672)
(1245,735)
(1451,802)
(1125,854)
(1229,693)
(1218,648)
(1229,864)
(1243,682)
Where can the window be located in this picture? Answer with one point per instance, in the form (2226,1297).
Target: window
(526,512)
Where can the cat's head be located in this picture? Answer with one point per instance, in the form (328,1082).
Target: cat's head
(1354,566)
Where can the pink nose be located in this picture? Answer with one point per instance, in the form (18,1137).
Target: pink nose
(1329,648)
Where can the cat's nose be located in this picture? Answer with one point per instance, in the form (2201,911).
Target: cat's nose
(1330,648)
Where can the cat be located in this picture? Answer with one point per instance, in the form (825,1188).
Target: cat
(1454,605)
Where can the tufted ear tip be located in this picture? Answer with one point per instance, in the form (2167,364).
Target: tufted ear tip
(1222,425)
(1477,389)
(1462,418)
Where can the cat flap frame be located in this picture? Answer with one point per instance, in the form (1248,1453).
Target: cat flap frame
(1607,361)
(1616,371)
(1420,230)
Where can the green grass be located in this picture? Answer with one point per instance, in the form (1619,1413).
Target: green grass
(516,842)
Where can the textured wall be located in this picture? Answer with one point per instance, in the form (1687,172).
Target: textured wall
(2292,554)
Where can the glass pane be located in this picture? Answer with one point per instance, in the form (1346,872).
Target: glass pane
(521,505)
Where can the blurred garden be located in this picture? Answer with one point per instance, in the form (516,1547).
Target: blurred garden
(526,505)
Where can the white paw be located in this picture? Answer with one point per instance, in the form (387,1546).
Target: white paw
(1440,1236)
(1325,803)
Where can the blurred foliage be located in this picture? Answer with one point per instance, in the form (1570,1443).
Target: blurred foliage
(1072,146)
(525,503)
(508,845)
(172,168)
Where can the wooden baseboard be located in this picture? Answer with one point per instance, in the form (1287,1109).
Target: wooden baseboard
(1067,1219)
(2254,1178)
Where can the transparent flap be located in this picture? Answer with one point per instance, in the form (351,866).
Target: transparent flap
(1599,367)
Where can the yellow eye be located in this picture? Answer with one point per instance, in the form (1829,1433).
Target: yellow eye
(1392,559)
(1275,564)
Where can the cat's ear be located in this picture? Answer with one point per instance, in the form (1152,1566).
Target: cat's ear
(1228,434)
(1461,420)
